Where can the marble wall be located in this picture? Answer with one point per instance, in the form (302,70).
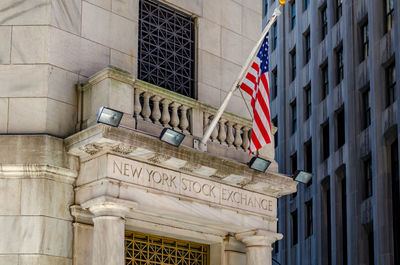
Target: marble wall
(48,46)
(34,171)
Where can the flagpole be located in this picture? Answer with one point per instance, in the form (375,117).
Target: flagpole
(239,79)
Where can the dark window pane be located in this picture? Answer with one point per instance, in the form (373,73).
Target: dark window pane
(394,157)
(368,177)
(293,64)
(324,23)
(294,116)
(339,65)
(294,228)
(166,48)
(293,14)
(338,9)
(307,48)
(309,218)
(274,83)
(389,14)
(390,84)
(324,82)
(364,41)
(340,128)
(325,141)
(307,102)
(275,36)
(366,105)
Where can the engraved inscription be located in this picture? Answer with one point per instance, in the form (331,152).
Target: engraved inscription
(185,185)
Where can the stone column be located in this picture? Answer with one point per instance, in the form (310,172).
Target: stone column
(258,246)
(109,229)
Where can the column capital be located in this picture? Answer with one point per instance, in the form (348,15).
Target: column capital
(254,238)
(109,206)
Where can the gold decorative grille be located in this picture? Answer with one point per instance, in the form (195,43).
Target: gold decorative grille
(144,249)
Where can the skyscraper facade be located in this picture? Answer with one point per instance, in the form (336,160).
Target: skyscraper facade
(112,187)
(335,84)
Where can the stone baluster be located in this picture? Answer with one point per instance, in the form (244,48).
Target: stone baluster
(238,137)
(222,131)
(206,121)
(230,138)
(174,117)
(184,122)
(156,113)
(109,229)
(214,133)
(146,112)
(246,142)
(165,117)
(137,107)
(258,246)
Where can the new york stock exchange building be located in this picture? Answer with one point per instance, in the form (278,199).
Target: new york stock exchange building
(74,191)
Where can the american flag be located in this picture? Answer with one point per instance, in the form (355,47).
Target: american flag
(256,84)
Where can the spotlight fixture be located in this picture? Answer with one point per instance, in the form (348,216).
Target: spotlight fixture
(259,164)
(302,176)
(109,116)
(172,137)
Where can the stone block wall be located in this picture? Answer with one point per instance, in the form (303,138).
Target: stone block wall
(36,179)
(49,46)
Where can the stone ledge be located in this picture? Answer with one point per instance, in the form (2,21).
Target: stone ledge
(38,171)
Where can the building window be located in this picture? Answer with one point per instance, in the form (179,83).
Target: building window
(344,219)
(166,48)
(326,222)
(369,229)
(309,218)
(340,129)
(324,81)
(367,165)
(265,7)
(366,109)
(292,14)
(149,249)
(338,6)
(390,84)
(389,15)
(325,140)
(307,47)
(293,109)
(293,64)
(293,169)
(324,22)
(394,161)
(308,164)
(364,41)
(275,83)
(275,123)
(307,102)
(306,4)
(275,36)
(339,65)
(295,233)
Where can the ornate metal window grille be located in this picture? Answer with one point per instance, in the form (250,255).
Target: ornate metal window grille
(144,249)
(166,47)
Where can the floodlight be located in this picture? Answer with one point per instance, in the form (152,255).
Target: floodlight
(259,164)
(302,176)
(172,137)
(109,116)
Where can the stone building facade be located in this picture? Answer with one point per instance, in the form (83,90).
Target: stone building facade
(73,191)
(335,98)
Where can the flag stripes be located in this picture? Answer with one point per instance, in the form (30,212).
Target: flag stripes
(256,84)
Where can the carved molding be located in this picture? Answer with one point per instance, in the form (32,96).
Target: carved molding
(123,149)
(91,148)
